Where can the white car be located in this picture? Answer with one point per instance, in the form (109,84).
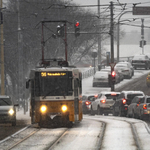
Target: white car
(103,104)
(100,79)
(129,64)
(125,69)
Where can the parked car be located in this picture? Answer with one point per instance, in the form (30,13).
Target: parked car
(129,64)
(86,102)
(103,103)
(125,69)
(7,110)
(117,76)
(100,79)
(132,108)
(148,80)
(143,110)
(141,61)
(122,102)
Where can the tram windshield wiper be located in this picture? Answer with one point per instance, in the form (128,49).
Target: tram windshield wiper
(50,92)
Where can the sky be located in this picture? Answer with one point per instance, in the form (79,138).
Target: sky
(117,11)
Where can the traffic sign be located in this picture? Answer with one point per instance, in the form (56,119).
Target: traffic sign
(141,10)
(112,65)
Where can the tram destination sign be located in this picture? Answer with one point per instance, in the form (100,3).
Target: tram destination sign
(141,10)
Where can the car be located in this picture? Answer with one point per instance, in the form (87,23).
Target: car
(122,102)
(103,103)
(125,70)
(148,80)
(86,102)
(7,110)
(132,108)
(143,110)
(101,79)
(117,76)
(129,64)
(141,61)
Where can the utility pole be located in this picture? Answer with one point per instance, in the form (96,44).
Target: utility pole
(142,35)
(99,37)
(112,40)
(20,58)
(2,53)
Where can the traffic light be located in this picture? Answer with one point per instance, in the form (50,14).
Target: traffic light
(60,30)
(113,77)
(77,29)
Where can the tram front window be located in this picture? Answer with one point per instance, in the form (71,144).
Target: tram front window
(53,86)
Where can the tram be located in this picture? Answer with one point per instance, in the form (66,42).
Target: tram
(55,89)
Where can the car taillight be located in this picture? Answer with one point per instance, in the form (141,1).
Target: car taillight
(87,103)
(96,95)
(124,101)
(144,106)
(103,101)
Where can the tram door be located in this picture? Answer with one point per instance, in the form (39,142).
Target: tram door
(76,99)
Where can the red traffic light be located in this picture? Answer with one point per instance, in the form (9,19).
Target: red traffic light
(113,74)
(77,24)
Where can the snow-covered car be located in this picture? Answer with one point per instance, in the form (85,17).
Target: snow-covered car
(129,64)
(100,79)
(148,80)
(141,61)
(7,110)
(117,76)
(86,102)
(103,103)
(122,102)
(143,110)
(124,69)
(132,108)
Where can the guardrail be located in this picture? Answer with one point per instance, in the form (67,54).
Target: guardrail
(87,72)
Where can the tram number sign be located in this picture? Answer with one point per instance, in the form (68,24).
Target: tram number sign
(141,10)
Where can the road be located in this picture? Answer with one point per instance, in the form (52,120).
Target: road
(94,132)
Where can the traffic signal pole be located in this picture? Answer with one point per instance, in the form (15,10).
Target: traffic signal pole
(112,41)
(2,55)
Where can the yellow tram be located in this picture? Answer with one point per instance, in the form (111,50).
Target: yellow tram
(55,93)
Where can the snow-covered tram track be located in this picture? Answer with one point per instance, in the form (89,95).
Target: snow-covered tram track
(32,137)
(135,134)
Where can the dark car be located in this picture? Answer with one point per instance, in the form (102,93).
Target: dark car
(123,101)
(132,108)
(86,102)
(141,61)
(7,110)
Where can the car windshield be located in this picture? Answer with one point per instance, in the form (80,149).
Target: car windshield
(148,100)
(100,74)
(111,96)
(90,97)
(121,65)
(141,57)
(131,96)
(5,101)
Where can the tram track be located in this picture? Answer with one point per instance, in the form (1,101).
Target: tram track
(132,126)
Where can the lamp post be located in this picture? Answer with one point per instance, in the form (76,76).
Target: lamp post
(118,33)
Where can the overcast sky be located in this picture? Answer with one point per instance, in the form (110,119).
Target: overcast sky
(117,10)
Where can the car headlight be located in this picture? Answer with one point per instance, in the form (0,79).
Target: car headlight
(64,108)
(43,108)
(11,112)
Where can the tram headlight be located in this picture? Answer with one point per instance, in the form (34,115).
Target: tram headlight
(43,108)
(64,108)
(11,112)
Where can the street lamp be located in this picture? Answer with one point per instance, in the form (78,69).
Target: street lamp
(118,33)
